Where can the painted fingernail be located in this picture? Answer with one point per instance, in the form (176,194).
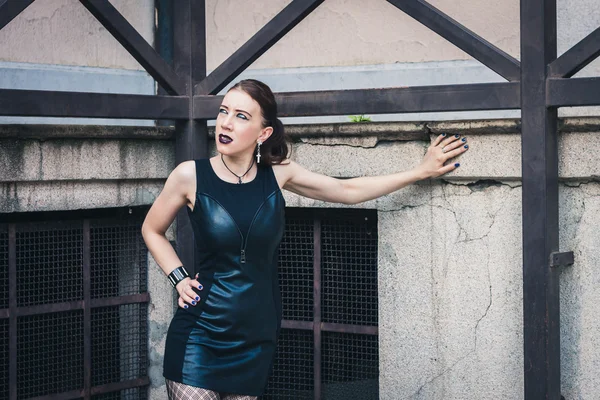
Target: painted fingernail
(466,146)
(457,136)
(464,139)
(197,298)
(193,303)
(185,306)
(443,134)
(200,287)
(457,165)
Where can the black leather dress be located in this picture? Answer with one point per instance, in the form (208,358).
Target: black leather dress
(227,342)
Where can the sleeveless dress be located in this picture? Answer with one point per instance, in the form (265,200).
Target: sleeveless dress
(226,343)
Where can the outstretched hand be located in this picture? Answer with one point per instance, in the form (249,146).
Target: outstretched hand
(443,148)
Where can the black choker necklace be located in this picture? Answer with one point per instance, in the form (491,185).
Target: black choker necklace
(238,176)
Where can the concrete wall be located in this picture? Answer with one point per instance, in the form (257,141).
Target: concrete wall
(450,285)
(64,32)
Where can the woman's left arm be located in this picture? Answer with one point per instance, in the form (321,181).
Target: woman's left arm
(357,190)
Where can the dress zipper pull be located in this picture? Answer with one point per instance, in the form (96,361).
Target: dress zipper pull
(243,257)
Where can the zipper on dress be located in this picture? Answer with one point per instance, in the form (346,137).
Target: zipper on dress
(245,238)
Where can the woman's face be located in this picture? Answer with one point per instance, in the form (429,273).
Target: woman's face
(239,124)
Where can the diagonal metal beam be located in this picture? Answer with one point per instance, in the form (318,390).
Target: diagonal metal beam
(9,9)
(577,57)
(469,42)
(573,92)
(483,96)
(136,45)
(257,45)
(40,103)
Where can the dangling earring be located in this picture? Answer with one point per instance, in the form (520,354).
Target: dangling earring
(258,153)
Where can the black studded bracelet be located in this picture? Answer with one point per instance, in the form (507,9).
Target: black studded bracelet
(177,275)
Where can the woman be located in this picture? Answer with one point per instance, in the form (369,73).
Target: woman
(221,341)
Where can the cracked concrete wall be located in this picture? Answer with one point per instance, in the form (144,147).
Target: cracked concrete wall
(69,171)
(450,260)
(450,285)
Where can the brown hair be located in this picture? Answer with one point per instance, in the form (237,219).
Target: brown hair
(275,149)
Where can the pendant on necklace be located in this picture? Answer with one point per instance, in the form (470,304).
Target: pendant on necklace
(239,181)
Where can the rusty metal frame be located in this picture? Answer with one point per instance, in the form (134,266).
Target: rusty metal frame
(538,85)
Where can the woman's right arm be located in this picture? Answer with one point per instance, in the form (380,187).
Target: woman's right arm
(175,194)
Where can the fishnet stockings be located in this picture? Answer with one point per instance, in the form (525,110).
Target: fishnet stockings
(180,391)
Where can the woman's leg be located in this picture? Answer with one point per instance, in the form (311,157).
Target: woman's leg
(180,391)
(232,396)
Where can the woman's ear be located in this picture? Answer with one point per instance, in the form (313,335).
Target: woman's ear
(265,134)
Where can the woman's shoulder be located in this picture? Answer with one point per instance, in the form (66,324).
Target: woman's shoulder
(185,172)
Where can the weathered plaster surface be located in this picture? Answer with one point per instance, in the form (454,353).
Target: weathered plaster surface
(64,32)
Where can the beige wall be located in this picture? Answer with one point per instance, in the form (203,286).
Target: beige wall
(64,32)
(352,32)
(337,33)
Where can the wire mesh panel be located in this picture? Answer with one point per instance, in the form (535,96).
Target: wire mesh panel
(49,263)
(293,373)
(4,358)
(118,262)
(127,394)
(350,366)
(349,270)
(49,353)
(119,343)
(3,266)
(296,254)
(50,315)
(345,242)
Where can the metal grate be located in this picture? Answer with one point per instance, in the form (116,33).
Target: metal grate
(119,341)
(49,263)
(293,374)
(329,347)
(50,353)
(117,258)
(127,394)
(349,269)
(350,366)
(296,254)
(57,340)
(4,358)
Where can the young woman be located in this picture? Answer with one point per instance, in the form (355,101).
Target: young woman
(221,342)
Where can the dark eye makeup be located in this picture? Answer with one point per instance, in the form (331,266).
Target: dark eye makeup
(239,115)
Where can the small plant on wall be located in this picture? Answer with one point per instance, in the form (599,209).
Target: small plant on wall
(359,118)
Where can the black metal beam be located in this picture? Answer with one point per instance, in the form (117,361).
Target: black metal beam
(469,42)
(42,103)
(9,9)
(258,44)
(574,92)
(577,57)
(136,45)
(539,139)
(484,96)
(191,136)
